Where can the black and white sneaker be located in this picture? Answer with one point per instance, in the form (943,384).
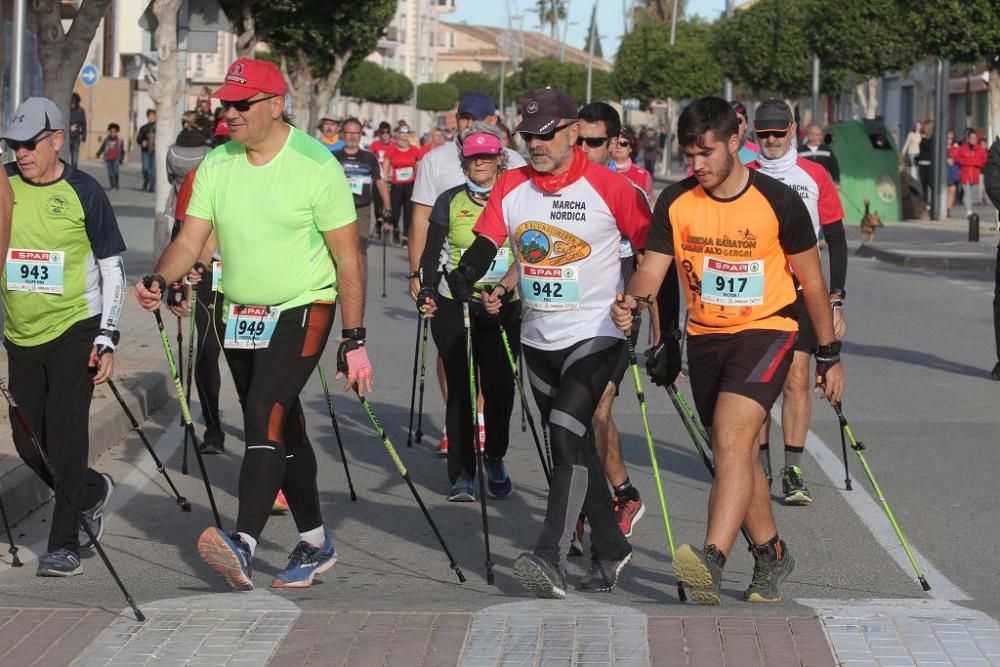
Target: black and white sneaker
(541,577)
(95,515)
(603,575)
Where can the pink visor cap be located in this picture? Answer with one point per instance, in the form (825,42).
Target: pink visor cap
(481,143)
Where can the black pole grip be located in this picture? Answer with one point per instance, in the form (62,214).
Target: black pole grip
(148,281)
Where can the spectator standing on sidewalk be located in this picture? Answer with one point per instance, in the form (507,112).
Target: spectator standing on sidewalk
(77,128)
(911,148)
(991,180)
(650,147)
(113,151)
(925,160)
(185,154)
(971,158)
(147,143)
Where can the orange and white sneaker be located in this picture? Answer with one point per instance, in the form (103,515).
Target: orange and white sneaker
(442,448)
(280,505)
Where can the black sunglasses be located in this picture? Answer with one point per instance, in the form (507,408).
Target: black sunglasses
(776,134)
(593,142)
(29,144)
(623,143)
(548,136)
(244,105)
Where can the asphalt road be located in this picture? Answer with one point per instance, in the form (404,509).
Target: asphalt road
(917,354)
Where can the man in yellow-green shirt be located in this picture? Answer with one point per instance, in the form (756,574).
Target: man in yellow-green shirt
(282,211)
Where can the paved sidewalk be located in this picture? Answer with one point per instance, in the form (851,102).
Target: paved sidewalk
(933,244)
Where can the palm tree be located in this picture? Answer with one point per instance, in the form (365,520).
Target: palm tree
(551,12)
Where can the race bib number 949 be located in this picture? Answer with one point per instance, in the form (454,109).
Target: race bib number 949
(250,327)
(726,283)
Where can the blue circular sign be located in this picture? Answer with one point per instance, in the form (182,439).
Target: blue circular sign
(89,75)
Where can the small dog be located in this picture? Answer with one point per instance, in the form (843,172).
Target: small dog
(869,223)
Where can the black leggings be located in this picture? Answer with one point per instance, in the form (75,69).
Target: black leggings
(567,385)
(278,454)
(207,379)
(495,378)
(54,387)
(399,197)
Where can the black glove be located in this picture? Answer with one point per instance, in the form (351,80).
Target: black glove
(148,281)
(175,294)
(827,356)
(386,215)
(426,292)
(664,364)
(460,284)
(347,345)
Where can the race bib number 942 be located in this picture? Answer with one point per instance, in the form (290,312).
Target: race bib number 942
(726,283)
(35,270)
(550,288)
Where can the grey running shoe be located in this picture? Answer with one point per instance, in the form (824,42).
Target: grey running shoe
(700,571)
(95,515)
(603,575)
(793,488)
(59,563)
(540,577)
(463,490)
(772,565)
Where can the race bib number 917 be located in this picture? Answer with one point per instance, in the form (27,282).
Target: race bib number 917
(250,327)
(550,288)
(35,270)
(726,283)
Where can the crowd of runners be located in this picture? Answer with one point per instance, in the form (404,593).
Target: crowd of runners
(548,257)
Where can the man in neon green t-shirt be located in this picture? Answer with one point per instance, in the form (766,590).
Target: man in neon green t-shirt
(283,215)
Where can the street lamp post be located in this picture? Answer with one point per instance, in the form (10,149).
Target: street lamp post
(590,56)
(17,61)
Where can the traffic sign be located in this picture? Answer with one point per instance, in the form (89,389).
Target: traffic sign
(630,104)
(89,75)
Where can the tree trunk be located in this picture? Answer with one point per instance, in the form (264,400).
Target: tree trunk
(867,92)
(301,84)
(62,52)
(165,94)
(994,98)
(246,39)
(324,88)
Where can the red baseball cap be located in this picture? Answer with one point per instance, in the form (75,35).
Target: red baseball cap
(221,129)
(247,77)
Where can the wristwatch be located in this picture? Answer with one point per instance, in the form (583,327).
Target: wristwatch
(355,334)
(111,334)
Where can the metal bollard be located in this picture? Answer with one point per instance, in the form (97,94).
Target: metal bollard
(973,228)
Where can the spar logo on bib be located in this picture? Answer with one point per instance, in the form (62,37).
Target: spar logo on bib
(539,243)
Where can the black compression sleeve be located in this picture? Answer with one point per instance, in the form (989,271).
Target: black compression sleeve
(430,261)
(668,301)
(477,258)
(836,243)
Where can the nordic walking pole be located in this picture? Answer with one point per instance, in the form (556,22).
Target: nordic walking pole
(383,261)
(524,403)
(405,474)
(633,362)
(419,435)
(185,412)
(473,395)
(413,385)
(698,436)
(15,561)
(181,500)
(180,372)
(336,430)
(190,371)
(843,450)
(858,447)
(58,488)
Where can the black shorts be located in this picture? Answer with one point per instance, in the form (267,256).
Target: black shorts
(618,373)
(806,341)
(750,363)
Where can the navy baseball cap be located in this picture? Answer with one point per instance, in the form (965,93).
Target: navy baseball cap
(543,109)
(773,115)
(477,105)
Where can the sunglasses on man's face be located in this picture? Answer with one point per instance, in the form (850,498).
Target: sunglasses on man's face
(548,136)
(244,105)
(771,134)
(593,142)
(29,144)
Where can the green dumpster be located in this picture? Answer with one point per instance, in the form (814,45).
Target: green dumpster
(869,169)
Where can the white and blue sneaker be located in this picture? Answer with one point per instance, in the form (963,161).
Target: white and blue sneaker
(95,515)
(305,563)
(228,555)
(463,490)
(59,563)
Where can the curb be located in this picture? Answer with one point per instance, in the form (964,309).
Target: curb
(22,491)
(929,260)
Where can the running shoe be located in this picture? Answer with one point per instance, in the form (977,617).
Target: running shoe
(576,542)
(540,577)
(59,563)
(701,571)
(603,575)
(280,505)
(769,570)
(404,242)
(793,488)
(497,480)
(228,555)
(995,375)
(628,511)
(95,515)
(463,490)
(442,448)
(213,442)
(305,563)
(395,237)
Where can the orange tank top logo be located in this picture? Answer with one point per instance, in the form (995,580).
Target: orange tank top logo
(539,243)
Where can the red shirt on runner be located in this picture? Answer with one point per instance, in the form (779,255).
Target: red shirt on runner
(402,163)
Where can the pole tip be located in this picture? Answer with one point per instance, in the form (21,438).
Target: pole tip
(185,506)
(489,576)
(458,572)
(681,595)
(923,583)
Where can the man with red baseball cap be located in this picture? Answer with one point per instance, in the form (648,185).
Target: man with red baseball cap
(276,200)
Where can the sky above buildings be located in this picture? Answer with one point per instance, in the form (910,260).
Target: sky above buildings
(610,17)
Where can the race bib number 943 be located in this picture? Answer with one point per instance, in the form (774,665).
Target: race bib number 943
(550,288)
(35,270)
(250,327)
(726,283)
